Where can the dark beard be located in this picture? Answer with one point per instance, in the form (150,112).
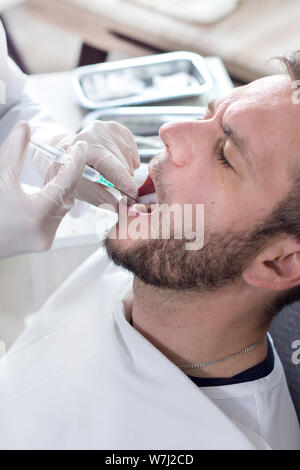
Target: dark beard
(167,263)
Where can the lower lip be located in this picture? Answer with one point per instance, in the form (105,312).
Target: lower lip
(130,213)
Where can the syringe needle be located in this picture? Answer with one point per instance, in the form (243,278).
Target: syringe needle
(122,192)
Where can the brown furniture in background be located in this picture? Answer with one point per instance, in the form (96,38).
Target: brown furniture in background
(245,40)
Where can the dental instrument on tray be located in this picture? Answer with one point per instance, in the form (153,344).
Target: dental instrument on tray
(59,155)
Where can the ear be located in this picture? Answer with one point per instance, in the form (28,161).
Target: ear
(277,267)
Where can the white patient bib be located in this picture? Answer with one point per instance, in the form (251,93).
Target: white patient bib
(81,377)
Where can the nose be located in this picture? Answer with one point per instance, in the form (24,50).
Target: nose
(181,140)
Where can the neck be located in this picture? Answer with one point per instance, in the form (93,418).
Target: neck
(189,328)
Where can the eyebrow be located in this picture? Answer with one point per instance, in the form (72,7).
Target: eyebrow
(231,134)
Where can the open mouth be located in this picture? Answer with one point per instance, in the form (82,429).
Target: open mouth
(147,199)
(147,188)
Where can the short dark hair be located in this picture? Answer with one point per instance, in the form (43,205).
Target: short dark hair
(286,216)
(291,64)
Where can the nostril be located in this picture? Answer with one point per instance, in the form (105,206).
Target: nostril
(177,156)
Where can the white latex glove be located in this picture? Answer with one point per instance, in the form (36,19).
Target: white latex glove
(112,151)
(29,222)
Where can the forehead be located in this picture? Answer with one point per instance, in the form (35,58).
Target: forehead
(267,95)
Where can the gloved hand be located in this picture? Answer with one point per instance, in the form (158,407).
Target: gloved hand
(29,222)
(112,151)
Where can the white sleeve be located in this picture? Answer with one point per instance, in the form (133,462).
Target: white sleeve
(16,105)
(12,82)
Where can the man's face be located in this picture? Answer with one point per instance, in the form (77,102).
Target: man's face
(238,161)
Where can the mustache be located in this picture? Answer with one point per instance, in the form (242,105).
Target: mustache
(159,178)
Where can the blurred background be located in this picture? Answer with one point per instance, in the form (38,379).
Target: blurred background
(245,34)
(37,40)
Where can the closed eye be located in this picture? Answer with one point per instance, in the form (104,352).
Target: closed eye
(220,154)
(223,159)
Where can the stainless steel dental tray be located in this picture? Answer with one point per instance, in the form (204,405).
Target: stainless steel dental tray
(141,80)
(146,120)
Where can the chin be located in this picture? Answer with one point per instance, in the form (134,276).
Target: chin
(120,241)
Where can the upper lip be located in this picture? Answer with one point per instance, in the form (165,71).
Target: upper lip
(156,175)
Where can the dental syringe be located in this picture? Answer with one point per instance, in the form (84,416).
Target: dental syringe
(59,155)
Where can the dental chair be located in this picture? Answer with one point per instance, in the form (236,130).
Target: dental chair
(285,329)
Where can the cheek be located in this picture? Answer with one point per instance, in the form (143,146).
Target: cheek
(199,183)
(223,206)
(188,187)
(234,211)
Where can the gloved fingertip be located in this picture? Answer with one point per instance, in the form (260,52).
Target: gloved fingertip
(51,172)
(23,125)
(77,154)
(83,146)
(78,147)
(137,162)
(22,132)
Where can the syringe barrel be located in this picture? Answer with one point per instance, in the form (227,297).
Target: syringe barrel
(91,174)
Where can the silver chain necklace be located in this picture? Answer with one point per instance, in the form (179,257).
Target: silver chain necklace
(223,359)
